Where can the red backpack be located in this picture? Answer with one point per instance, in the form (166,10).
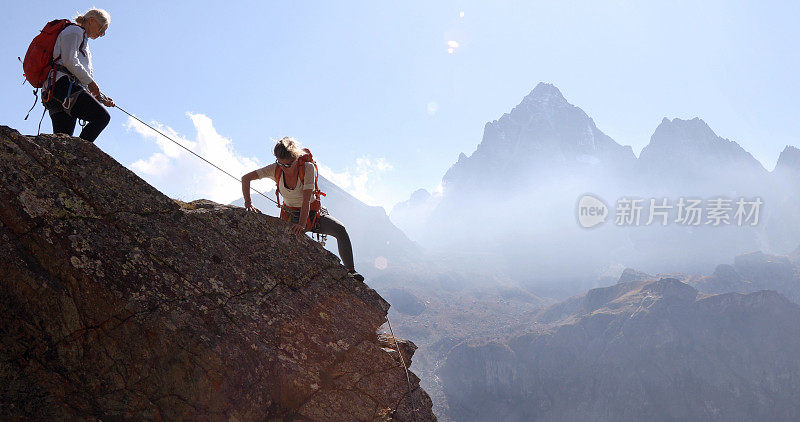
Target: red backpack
(39,58)
(316,204)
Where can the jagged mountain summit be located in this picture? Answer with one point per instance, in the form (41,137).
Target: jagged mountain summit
(789,162)
(543,132)
(544,146)
(641,350)
(686,152)
(118,303)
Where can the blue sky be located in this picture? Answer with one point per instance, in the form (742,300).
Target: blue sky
(371,87)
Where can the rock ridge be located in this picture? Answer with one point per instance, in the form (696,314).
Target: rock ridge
(120,303)
(651,348)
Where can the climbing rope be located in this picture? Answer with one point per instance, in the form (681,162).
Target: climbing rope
(194,153)
(396,346)
(408,378)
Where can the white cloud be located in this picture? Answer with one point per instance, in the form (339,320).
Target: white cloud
(181,175)
(156,165)
(363,181)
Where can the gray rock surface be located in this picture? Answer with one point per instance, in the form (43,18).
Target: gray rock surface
(119,303)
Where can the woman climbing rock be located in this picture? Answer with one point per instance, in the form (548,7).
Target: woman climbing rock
(295,174)
(66,96)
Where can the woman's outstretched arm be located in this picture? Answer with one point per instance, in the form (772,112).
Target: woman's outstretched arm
(246,179)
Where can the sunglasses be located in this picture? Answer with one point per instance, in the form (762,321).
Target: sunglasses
(286,166)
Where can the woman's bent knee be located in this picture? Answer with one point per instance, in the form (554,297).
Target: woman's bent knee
(339,231)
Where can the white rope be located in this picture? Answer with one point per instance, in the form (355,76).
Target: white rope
(194,153)
(403,362)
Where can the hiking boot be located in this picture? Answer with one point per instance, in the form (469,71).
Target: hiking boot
(355,275)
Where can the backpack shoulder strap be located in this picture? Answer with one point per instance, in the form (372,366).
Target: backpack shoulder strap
(310,158)
(55,27)
(302,172)
(278,173)
(316,181)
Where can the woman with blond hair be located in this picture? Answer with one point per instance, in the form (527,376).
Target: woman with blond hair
(297,196)
(69,100)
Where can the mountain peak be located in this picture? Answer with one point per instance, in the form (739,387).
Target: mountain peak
(691,144)
(695,126)
(789,160)
(420,195)
(545,93)
(545,130)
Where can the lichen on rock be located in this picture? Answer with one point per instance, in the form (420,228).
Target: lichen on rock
(118,302)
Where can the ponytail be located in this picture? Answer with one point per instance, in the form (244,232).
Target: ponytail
(99,14)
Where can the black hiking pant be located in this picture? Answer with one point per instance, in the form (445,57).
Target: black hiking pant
(85,107)
(333,227)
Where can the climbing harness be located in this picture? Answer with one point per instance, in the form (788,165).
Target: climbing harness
(403,362)
(322,238)
(290,214)
(47,94)
(193,153)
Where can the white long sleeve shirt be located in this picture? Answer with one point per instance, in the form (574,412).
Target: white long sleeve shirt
(78,61)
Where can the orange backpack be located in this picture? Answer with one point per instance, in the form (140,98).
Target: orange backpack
(316,204)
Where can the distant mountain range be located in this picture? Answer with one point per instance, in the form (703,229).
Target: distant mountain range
(516,195)
(643,349)
(753,272)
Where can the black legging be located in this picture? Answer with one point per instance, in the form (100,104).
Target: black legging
(86,108)
(333,227)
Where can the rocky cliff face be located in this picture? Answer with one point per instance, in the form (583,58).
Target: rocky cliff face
(440,309)
(641,350)
(118,303)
